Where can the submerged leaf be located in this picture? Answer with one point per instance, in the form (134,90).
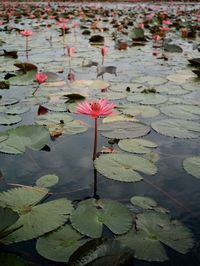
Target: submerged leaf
(143,202)
(47,181)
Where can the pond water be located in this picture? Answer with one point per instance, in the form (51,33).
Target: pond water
(171,114)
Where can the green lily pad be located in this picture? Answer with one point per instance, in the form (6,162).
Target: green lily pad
(151,80)
(112,95)
(136,145)
(17,109)
(153,229)
(10,120)
(124,167)
(34,137)
(7,217)
(47,181)
(60,244)
(192,166)
(171,89)
(150,98)
(8,259)
(177,128)
(8,101)
(23,79)
(56,107)
(143,202)
(182,111)
(35,220)
(123,130)
(90,215)
(139,110)
(101,252)
(119,118)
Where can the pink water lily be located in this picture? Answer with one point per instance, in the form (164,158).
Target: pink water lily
(95,109)
(156,38)
(167,22)
(70,51)
(104,51)
(26,33)
(41,77)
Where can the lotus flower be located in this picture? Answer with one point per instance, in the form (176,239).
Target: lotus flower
(40,78)
(95,109)
(26,33)
(104,51)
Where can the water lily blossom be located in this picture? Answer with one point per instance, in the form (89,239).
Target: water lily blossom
(26,33)
(95,109)
(70,51)
(41,77)
(104,51)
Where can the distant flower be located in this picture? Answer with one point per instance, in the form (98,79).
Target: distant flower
(26,33)
(41,77)
(70,51)
(167,22)
(62,26)
(75,25)
(164,29)
(156,38)
(104,50)
(63,20)
(95,108)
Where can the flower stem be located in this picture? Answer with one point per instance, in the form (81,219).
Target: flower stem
(95,139)
(33,93)
(27,48)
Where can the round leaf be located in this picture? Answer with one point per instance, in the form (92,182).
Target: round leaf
(47,181)
(136,145)
(124,167)
(192,166)
(143,202)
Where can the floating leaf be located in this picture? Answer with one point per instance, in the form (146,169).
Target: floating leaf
(34,220)
(8,259)
(123,130)
(151,80)
(56,107)
(101,252)
(17,109)
(23,79)
(47,181)
(192,166)
(182,111)
(60,244)
(124,167)
(119,118)
(34,137)
(91,214)
(136,145)
(154,228)
(150,98)
(177,128)
(8,101)
(171,89)
(10,120)
(143,202)
(139,110)
(25,66)
(7,217)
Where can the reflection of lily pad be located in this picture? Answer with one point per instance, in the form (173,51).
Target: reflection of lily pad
(35,220)
(136,145)
(182,111)
(124,167)
(60,244)
(91,214)
(192,166)
(123,130)
(177,128)
(153,229)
